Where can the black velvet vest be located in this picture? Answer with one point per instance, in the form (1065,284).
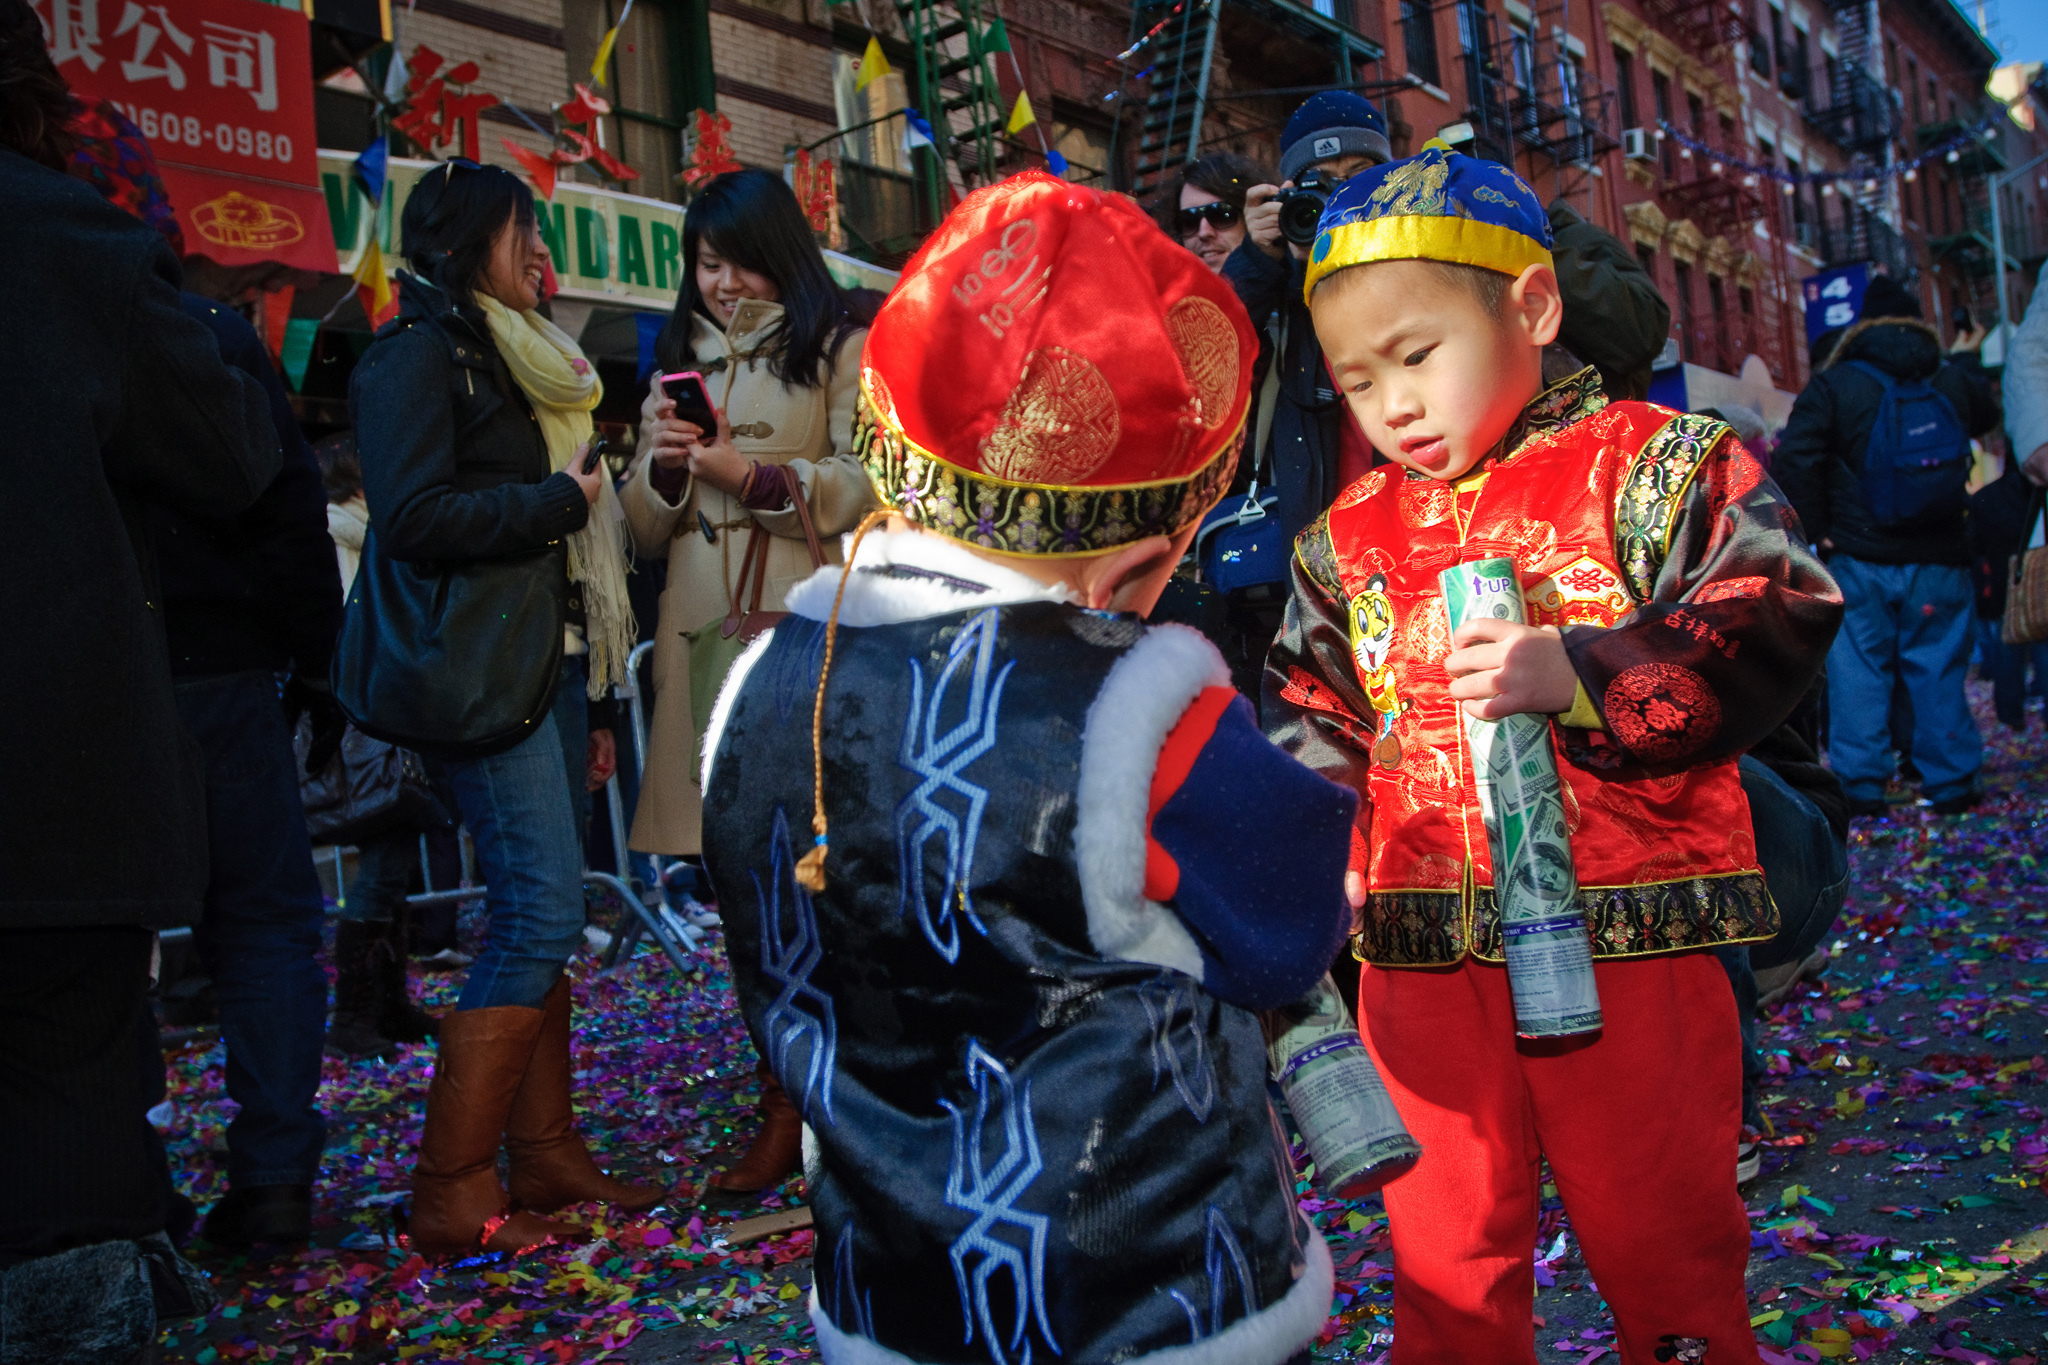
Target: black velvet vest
(1029,1152)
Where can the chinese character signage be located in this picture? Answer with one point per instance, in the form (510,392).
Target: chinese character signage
(223,90)
(1833,298)
(613,248)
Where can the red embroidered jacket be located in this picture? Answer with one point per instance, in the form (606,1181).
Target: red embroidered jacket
(1694,615)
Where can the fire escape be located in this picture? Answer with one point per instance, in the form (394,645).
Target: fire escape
(1724,205)
(1174,46)
(1527,90)
(1843,102)
(952,80)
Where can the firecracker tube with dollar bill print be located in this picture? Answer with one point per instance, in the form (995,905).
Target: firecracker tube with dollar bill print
(1550,959)
(1348,1122)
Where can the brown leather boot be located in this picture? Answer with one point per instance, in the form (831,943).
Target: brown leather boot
(778,1148)
(455,1191)
(550,1165)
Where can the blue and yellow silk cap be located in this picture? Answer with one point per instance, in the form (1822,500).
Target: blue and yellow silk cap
(1434,206)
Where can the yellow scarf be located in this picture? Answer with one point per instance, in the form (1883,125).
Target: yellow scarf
(564,390)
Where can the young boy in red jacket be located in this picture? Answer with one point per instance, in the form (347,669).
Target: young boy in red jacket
(1674,617)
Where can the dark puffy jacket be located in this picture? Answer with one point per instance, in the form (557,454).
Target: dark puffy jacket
(114,400)
(1614,318)
(1819,462)
(260,589)
(454,465)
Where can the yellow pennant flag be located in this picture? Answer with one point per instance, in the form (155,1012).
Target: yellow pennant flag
(873,65)
(604,54)
(604,49)
(1021,116)
(370,277)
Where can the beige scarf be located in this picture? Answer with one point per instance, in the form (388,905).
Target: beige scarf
(563,388)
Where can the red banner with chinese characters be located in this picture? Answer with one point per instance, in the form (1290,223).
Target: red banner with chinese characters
(223,90)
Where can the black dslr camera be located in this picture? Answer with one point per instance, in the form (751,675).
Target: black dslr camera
(1301,208)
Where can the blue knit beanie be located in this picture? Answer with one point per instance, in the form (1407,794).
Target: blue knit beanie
(1329,124)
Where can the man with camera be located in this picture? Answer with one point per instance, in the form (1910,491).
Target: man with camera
(1299,422)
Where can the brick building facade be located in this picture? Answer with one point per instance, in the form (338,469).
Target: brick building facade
(1690,128)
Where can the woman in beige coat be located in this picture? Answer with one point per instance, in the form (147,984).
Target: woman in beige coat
(778,344)
(779,348)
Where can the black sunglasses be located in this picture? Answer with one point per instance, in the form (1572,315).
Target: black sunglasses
(1217,215)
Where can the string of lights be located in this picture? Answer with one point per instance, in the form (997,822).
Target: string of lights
(1868,177)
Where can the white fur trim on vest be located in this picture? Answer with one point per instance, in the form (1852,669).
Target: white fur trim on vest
(1271,1336)
(722,708)
(875,600)
(1141,701)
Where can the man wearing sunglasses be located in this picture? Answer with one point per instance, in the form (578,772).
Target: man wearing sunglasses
(1205,210)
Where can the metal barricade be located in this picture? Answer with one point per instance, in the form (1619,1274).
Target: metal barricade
(645,899)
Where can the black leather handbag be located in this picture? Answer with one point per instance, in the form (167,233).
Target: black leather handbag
(368,789)
(458,660)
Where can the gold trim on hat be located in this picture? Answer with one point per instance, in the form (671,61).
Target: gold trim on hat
(1050,521)
(1423,237)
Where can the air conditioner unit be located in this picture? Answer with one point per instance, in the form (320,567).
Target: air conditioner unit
(1637,144)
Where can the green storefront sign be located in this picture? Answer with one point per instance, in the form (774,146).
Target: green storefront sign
(608,247)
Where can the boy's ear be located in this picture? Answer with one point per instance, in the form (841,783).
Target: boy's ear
(1536,305)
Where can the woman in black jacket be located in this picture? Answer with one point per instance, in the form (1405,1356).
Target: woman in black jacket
(463,409)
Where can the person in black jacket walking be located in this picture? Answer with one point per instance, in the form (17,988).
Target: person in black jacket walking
(246,599)
(458,468)
(114,398)
(1907,587)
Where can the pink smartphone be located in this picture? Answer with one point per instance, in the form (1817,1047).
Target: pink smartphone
(685,388)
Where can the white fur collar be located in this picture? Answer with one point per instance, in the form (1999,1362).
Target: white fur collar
(875,599)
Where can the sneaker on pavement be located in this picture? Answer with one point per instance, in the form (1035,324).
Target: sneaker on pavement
(1749,1155)
(1956,805)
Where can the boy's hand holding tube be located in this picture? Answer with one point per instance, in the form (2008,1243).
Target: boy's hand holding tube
(1499,668)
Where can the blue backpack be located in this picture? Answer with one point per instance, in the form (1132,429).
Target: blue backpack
(1918,458)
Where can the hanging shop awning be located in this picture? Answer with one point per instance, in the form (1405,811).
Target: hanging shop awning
(223,90)
(609,248)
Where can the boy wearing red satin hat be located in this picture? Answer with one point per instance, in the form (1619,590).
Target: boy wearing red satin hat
(1674,617)
(1005,871)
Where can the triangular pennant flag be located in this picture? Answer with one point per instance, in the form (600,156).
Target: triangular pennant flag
(373,286)
(395,76)
(298,350)
(604,49)
(873,65)
(370,167)
(1055,163)
(536,166)
(995,38)
(1021,116)
(916,131)
(604,53)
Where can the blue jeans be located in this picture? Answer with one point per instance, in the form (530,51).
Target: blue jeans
(1806,869)
(522,815)
(260,938)
(1912,623)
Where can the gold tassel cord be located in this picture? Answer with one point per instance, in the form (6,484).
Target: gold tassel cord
(810,869)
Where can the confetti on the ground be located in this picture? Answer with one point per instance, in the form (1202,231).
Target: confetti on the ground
(1900,1213)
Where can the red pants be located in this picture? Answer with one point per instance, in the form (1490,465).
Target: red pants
(1640,1127)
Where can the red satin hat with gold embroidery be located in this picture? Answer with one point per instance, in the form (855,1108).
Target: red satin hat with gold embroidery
(1054,376)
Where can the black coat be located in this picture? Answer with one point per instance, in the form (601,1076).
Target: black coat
(260,590)
(1301,455)
(454,465)
(1819,461)
(112,396)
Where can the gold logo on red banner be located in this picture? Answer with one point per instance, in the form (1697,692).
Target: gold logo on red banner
(239,220)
